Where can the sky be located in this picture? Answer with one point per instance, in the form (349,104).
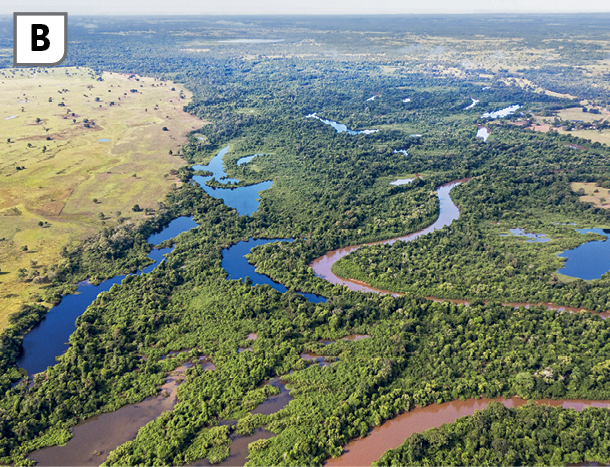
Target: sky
(308,7)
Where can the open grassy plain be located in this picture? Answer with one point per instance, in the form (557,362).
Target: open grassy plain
(67,139)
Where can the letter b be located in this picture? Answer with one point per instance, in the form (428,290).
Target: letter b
(36,37)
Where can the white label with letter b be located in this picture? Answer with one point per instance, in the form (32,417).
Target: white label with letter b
(40,39)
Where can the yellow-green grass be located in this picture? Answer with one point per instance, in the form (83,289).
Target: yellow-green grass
(59,183)
(590,196)
(596,136)
(576,113)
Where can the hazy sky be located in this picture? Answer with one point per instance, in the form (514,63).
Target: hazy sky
(265,7)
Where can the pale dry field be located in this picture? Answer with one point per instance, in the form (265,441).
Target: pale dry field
(590,196)
(66,166)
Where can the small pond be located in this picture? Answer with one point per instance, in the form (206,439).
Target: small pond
(590,260)
(531,237)
(402,181)
(103,140)
(483,133)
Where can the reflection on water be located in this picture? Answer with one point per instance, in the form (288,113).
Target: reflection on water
(243,199)
(590,260)
(235,263)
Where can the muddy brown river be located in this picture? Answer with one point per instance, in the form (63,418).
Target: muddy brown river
(392,433)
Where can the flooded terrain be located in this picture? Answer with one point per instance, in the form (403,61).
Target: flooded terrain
(94,438)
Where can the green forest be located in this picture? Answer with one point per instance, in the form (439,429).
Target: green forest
(332,190)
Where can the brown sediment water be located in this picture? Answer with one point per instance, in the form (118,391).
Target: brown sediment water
(448,212)
(392,433)
(93,439)
(319,359)
(238,451)
(274,403)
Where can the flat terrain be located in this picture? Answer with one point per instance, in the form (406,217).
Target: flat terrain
(591,196)
(67,139)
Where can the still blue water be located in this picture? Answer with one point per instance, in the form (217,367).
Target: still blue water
(50,337)
(244,199)
(235,263)
(590,260)
(173,229)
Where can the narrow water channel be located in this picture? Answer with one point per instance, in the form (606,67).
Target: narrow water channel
(448,212)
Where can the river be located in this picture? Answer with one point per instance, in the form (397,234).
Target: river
(392,433)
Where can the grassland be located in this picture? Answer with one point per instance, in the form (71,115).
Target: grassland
(593,194)
(53,164)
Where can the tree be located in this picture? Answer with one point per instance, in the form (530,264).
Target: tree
(136,208)
(165,128)
(40,223)
(24,248)
(95,200)
(101,216)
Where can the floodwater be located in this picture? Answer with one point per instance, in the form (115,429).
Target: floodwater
(448,212)
(340,127)
(49,338)
(315,358)
(531,237)
(238,450)
(251,41)
(244,199)
(501,113)
(94,438)
(235,263)
(392,433)
(274,403)
(590,260)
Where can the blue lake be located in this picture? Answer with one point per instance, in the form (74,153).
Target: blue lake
(244,199)
(590,260)
(50,337)
(235,263)
(340,127)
